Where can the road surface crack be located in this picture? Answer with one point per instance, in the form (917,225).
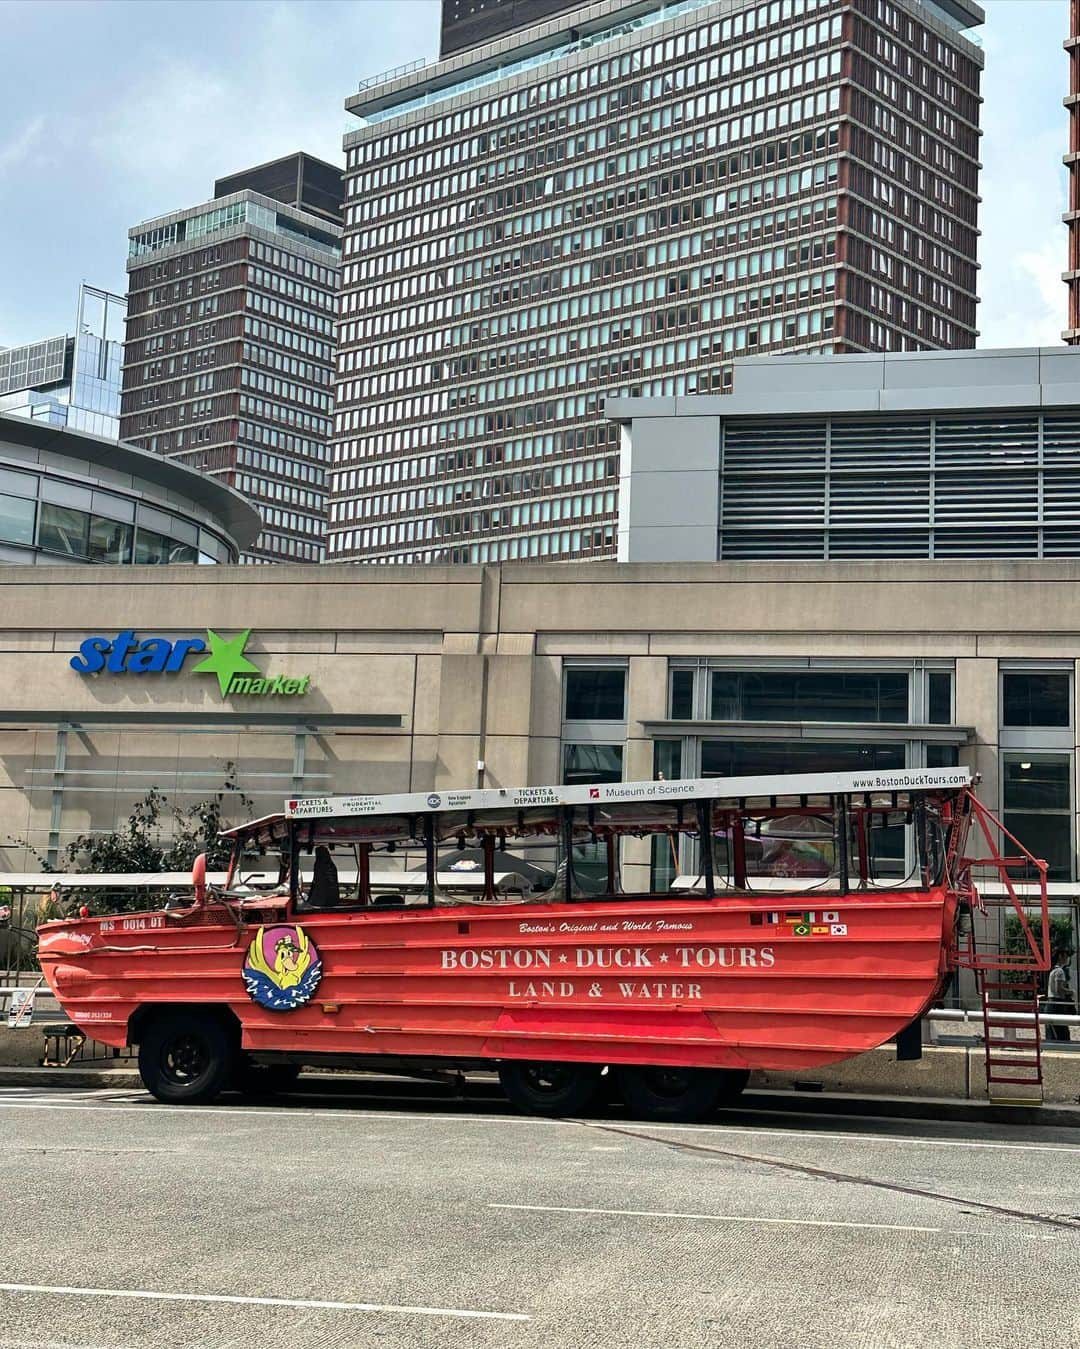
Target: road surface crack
(1059,1222)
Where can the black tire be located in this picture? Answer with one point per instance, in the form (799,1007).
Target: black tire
(265,1079)
(186,1058)
(680,1095)
(551,1089)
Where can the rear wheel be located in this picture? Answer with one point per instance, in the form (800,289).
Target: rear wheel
(186,1057)
(550,1088)
(684,1095)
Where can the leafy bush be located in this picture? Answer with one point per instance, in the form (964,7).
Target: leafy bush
(157,836)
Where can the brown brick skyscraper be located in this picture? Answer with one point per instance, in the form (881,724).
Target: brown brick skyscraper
(231,337)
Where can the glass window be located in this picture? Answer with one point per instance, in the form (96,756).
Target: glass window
(1035,698)
(18,484)
(809,695)
(109,540)
(1037,807)
(664,858)
(939,697)
(16,519)
(942,756)
(585,764)
(682,693)
(595,694)
(151,548)
(63,530)
(751,758)
(65,493)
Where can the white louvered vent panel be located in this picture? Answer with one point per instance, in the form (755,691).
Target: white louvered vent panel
(1061,543)
(1061,494)
(773,543)
(774,446)
(978,499)
(878,500)
(987,443)
(879,444)
(986,543)
(771,501)
(1061,438)
(862,543)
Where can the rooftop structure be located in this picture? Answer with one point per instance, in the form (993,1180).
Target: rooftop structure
(958,454)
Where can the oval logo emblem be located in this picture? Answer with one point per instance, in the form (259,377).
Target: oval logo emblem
(282,968)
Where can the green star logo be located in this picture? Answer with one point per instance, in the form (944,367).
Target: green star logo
(226,658)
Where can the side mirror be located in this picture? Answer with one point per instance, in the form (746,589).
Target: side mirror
(198,878)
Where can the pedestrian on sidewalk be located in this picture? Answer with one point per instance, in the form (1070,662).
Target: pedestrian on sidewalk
(1060,998)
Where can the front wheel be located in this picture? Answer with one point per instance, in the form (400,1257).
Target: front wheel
(551,1089)
(680,1095)
(186,1058)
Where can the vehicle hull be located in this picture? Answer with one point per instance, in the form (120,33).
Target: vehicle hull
(727,983)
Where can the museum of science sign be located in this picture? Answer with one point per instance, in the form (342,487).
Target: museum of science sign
(130,654)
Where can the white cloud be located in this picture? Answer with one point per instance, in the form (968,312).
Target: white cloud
(14,151)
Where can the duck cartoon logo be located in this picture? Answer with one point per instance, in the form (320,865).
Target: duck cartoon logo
(282,968)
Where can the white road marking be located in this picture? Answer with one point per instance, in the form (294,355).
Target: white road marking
(526,1122)
(237,1300)
(715,1217)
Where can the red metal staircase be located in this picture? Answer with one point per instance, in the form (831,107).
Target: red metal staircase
(1008,981)
(1013,1048)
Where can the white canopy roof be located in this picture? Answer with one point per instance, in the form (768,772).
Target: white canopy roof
(687,789)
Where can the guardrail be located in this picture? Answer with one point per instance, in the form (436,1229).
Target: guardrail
(385,76)
(964,1014)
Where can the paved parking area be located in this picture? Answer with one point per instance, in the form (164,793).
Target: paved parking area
(315,1222)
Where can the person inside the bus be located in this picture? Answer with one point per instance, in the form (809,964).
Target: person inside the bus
(324,891)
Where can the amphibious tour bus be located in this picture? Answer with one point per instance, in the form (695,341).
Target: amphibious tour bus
(660,938)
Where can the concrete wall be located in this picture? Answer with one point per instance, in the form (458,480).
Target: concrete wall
(460,664)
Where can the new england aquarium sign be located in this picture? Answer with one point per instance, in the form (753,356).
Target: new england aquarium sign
(129,654)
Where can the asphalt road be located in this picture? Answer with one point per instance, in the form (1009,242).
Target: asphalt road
(317,1221)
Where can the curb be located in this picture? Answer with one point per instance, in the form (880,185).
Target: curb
(751,1105)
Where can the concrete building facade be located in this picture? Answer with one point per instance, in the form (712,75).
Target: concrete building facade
(231,337)
(620,200)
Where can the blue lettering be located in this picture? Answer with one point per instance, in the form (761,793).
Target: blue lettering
(180,649)
(91,657)
(151,656)
(125,642)
(126,653)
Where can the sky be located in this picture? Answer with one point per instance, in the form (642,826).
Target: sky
(114,111)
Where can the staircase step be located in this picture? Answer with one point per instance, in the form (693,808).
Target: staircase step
(1003,1077)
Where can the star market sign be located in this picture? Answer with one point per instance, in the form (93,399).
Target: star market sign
(127,653)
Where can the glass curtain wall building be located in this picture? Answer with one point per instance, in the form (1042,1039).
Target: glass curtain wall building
(73,380)
(623,200)
(230,344)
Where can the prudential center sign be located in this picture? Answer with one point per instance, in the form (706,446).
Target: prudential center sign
(224,657)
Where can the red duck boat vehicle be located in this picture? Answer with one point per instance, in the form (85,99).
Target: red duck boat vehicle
(668,936)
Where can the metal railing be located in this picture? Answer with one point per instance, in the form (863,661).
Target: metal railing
(387,75)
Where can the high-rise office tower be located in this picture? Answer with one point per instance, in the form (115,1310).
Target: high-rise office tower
(623,197)
(231,336)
